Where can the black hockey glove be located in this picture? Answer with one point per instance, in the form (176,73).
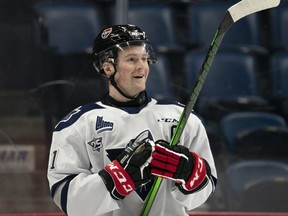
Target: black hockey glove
(131,168)
(177,163)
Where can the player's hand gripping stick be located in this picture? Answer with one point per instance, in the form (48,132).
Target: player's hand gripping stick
(130,170)
(177,163)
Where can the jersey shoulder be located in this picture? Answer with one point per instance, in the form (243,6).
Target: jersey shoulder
(75,114)
(176,104)
(169,102)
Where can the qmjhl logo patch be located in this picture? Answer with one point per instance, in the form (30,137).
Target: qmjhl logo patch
(102,125)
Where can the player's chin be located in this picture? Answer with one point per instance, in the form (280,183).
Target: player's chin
(140,86)
(138,89)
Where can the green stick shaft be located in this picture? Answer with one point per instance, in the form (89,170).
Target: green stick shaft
(233,14)
(189,106)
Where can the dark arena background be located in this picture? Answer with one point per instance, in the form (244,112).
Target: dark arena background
(46,71)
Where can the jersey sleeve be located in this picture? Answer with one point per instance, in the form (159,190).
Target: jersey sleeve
(74,188)
(195,138)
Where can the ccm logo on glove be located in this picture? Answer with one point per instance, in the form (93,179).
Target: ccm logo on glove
(123,182)
(198,174)
(131,168)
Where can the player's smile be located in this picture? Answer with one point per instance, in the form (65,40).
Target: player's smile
(138,76)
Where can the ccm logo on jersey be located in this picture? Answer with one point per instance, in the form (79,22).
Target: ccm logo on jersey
(169,120)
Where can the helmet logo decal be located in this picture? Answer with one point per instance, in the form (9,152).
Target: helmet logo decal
(106,33)
(137,35)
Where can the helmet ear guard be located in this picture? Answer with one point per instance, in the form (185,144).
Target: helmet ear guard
(99,59)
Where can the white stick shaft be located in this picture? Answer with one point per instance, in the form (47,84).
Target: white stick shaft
(246,7)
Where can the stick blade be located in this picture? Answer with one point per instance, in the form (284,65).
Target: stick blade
(247,7)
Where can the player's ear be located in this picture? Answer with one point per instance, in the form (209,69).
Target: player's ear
(108,69)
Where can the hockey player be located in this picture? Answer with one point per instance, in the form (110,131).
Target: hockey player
(105,155)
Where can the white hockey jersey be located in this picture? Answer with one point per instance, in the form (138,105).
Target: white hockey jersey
(93,135)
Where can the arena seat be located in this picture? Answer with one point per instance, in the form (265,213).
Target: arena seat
(279,78)
(241,175)
(159,82)
(70,26)
(278,21)
(204,18)
(231,84)
(237,123)
(279,67)
(158,22)
(264,143)
(266,195)
(64,35)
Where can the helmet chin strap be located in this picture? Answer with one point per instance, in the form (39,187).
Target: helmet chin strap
(112,81)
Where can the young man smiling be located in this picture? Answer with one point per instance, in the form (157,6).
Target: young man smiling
(105,155)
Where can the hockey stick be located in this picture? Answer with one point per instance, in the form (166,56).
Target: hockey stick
(232,15)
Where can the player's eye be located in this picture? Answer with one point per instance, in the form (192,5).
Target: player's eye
(132,59)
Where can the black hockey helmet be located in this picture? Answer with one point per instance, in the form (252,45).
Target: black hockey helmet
(112,39)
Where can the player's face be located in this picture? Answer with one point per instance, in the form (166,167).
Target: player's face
(132,70)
